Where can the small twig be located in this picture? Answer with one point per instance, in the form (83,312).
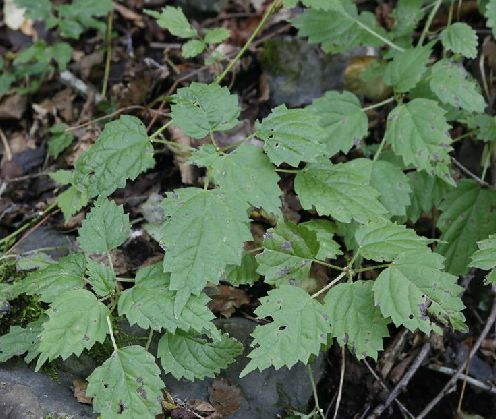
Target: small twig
(403,383)
(470,380)
(385,387)
(341,381)
(6,146)
(469,173)
(446,389)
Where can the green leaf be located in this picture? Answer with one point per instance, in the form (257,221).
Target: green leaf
(342,118)
(192,48)
(6,80)
(66,275)
(35,9)
(202,109)
(485,258)
(461,39)
(76,321)
(59,140)
(384,240)
(491,15)
(484,125)
(71,201)
(338,31)
(341,191)
(174,20)
(216,35)
(418,132)
(354,318)
(407,68)
(300,326)
(204,231)
(127,385)
(105,227)
(454,86)
(246,273)
(101,278)
(291,136)
(74,18)
(122,151)
(324,230)
(246,173)
(468,215)
(20,340)
(288,253)
(393,186)
(428,191)
(407,15)
(191,357)
(415,292)
(150,304)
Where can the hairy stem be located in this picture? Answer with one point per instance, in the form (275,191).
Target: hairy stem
(428,23)
(112,338)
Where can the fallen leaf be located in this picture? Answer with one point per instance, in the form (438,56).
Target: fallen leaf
(79,388)
(13,106)
(226,299)
(225,397)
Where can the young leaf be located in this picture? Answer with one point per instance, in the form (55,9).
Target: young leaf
(246,173)
(485,258)
(288,253)
(173,19)
(461,39)
(122,151)
(192,48)
(291,136)
(342,118)
(105,227)
(66,275)
(428,192)
(216,35)
(407,15)
(415,292)
(384,240)
(127,385)
(418,132)
(407,68)
(76,321)
(59,140)
(246,273)
(300,326)
(204,231)
(71,201)
(80,14)
(468,215)
(191,357)
(201,109)
(484,125)
(354,318)
(101,278)
(150,304)
(454,86)
(20,340)
(324,230)
(341,191)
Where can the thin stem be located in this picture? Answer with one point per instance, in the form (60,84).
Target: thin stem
(330,284)
(132,280)
(109,324)
(237,143)
(214,142)
(379,150)
(377,35)
(487,160)
(257,249)
(428,23)
(160,130)
(371,268)
(314,390)
(149,340)
(104,117)
(109,53)
(379,104)
(329,265)
(287,170)
(268,13)
(341,381)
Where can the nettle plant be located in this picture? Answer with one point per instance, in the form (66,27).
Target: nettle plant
(357,209)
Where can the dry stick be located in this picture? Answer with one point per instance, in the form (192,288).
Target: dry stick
(469,173)
(403,382)
(6,146)
(446,389)
(385,387)
(470,380)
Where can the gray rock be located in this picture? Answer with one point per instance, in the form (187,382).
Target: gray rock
(25,394)
(44,237)
(298,72)
(265,394)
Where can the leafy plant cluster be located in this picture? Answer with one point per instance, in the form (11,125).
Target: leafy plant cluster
(360,210)
(28,68)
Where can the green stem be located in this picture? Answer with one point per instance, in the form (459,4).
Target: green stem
(378,105)
(377,35)
(214,142)
(379,150)
(287,170)
(237,143)
(132,280)
(159,131)
(487,160)
(371,268)
(257,249)
(330,284)
(109,324)
(109,53)
(428,23)
(339,268)
(149,340)
(268,13)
